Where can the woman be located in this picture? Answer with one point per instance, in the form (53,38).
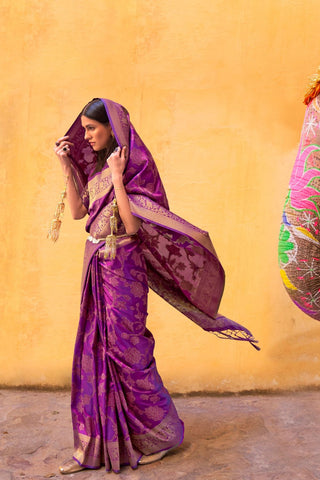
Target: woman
(121,412)
(299,244)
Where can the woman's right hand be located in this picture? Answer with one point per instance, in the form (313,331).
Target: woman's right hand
(62,150)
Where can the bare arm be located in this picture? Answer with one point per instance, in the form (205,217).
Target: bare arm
(62,149)
(117,162)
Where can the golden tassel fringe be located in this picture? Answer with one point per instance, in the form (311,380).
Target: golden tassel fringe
(110,249)
(54,230)
(314,88)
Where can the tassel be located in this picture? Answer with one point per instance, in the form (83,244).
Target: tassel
(110,249)
(314,88)
(54,230)
(113,224)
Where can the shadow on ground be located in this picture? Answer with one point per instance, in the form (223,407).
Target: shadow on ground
(247,437)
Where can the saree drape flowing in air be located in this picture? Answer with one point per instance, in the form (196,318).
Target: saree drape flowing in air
(299,244)
(120,408)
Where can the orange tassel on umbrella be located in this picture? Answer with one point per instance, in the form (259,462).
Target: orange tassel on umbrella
(314,88)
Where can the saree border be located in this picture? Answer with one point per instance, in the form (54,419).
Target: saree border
(148,210)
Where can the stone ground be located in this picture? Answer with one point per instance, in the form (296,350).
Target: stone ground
(237,437)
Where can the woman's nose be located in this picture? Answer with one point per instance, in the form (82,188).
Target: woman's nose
(86,135)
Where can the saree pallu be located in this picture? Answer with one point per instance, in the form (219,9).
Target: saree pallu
(182,264)
(120,408)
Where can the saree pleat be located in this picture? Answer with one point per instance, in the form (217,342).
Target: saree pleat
(120,408)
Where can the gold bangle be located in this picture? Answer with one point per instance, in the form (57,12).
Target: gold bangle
(119,188)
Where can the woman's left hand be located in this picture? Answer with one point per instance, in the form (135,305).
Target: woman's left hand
(117,161)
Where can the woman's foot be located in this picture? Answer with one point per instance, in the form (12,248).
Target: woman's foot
(70,466)
(154,457)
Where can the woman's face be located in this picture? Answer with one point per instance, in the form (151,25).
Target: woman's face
(96,133)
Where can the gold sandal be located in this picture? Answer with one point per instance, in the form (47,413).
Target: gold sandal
(154,457)
(70,466)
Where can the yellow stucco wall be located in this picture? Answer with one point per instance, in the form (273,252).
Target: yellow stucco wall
(214,88)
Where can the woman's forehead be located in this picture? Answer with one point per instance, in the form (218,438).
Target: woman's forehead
(85,121)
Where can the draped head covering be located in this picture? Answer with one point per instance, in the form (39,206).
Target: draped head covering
(182,265)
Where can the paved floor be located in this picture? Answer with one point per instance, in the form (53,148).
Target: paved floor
(254,437)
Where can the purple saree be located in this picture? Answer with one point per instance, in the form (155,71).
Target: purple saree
(120,408)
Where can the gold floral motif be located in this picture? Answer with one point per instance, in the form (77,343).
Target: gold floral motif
(99,185)
(153,212)
(100,228)
(133,355)
(159,437)
(154,412)
(88,450)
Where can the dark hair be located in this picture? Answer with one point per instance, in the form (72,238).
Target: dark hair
(96,111)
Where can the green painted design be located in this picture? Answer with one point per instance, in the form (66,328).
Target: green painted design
(284,245)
